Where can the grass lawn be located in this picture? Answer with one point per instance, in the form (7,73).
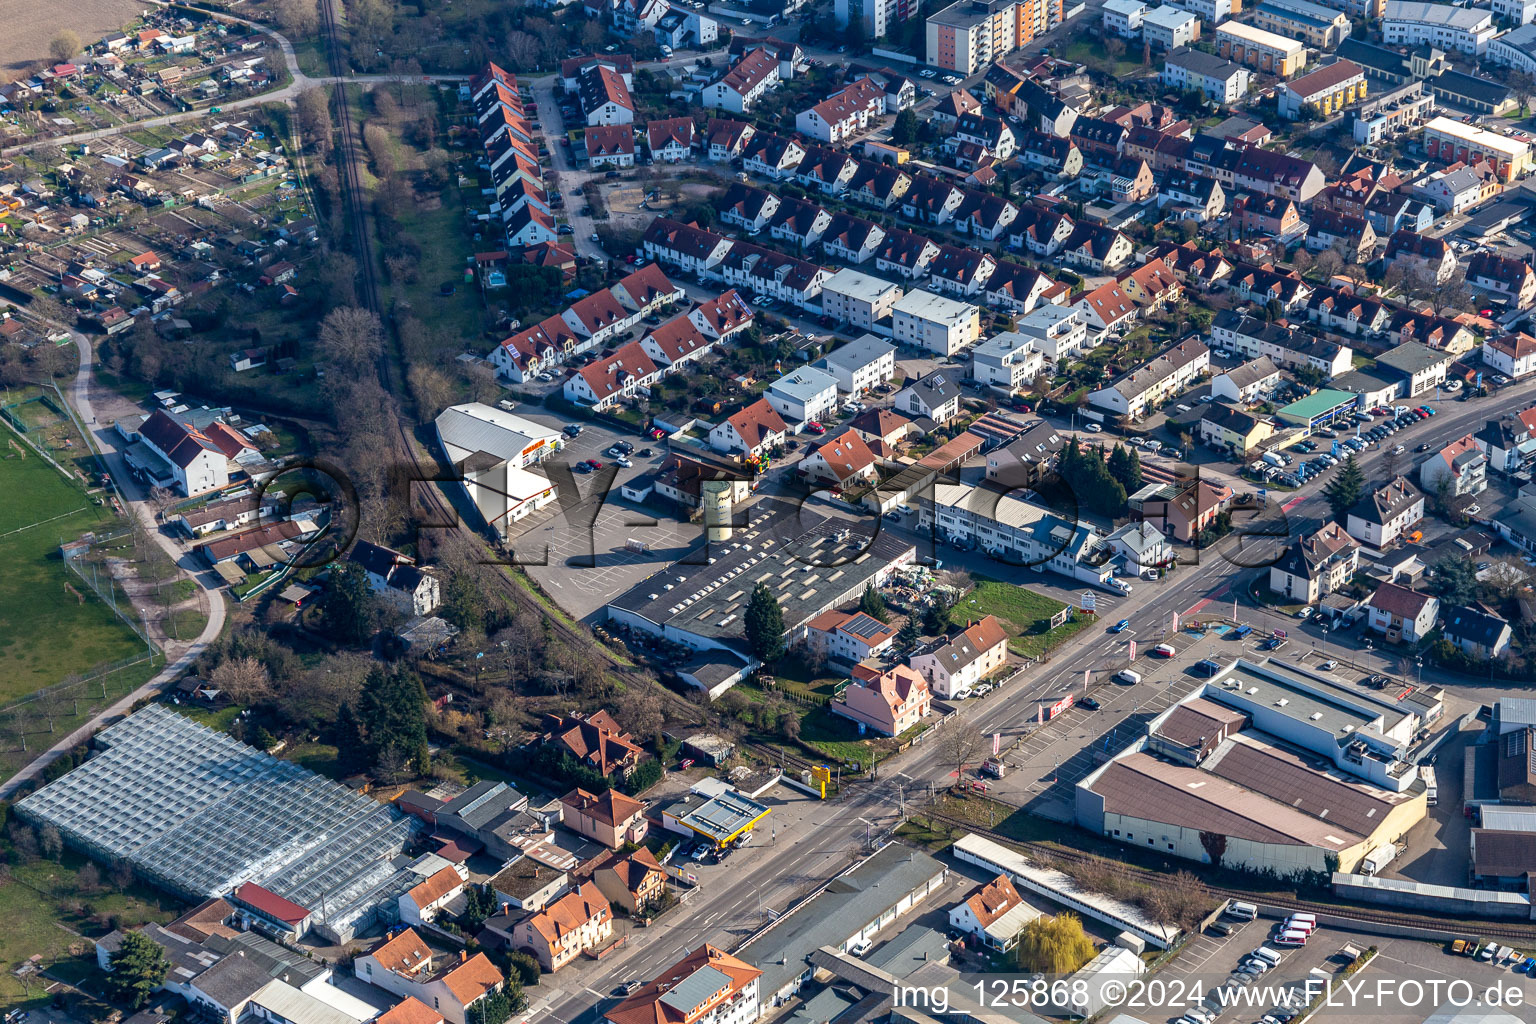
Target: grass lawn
(320,758)
(445,243)
(218,719)
(50,625)
(1024,614)
(1091,52)
(42,905)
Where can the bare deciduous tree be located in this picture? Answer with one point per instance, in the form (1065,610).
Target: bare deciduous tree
(959,747)
(351,337)
(244,681)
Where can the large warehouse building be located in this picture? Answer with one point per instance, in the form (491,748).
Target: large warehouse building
(201,814)
(1266,768)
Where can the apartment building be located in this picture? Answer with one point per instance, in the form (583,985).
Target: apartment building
(1445,26)
(859,299)
(1167,27)
(935,323)
(1320,27)
(1161,378)
(1455,141)
(956,665)
(968,35)
(1326,91)
(1124,17)
(1222,80)
(1268,52)
(1316,565)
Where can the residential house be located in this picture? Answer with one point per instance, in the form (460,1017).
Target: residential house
(848,636)
(905,253)
(935,397)
(842,460)
(800,222)
(610,146)
(669,140)
(807,395)
(725,138)
(1244,384)
(1503,277)
(1429,259)
(611,818)
(1010,360)
(1233,430)
(634,881)
(576,923)
(595,741)
(953,666)
(849,111)
(935,323)
(407,967)
(753,430)
(1402,614)
(1182,509)
(1513,355)
(739,89)
(604,98)
(1461,467)
(861,364)
(1386,513)
(708,986)
(1316,565)
(1162,377)
(604,383)
(888,702)
(772,156)
(396,578)
(1107,308)
(421,903)
(1477,633)
(851,239)
(995,914)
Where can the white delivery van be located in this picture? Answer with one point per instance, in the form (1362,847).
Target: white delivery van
(1267,955)
(1127,676)
(1244,911)
(1294,937)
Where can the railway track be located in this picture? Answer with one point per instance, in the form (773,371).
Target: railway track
(1507,930)
(435,505)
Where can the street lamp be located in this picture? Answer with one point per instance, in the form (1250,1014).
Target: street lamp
(1325,643)
(1418,660)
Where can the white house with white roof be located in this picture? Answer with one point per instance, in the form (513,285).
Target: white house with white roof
(804,396)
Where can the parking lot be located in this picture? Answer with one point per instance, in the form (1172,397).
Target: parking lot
(1409,980)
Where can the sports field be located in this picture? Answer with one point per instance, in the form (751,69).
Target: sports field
(50,626)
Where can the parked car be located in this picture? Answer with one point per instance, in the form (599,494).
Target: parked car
(1089,703)
(1092,428)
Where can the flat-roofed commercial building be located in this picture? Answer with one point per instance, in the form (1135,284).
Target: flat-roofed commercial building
(1454,141)
(1231,774)
(1263,51)
(1446,26)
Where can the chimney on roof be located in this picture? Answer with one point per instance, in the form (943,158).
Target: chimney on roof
(463,956)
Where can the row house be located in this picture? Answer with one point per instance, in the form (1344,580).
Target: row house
(774,275)
(1274,216)
(772,156)
(676,343)
(1162,377)
(688,248)
(726,138)
(961,271)
(739,89)
(799,222)
(1152,286)
(1251,338)
(1108,308)
(905,253)
(1340,309)
(537,349)
(599,316)
(851,239)
(1261,283)
(1195,196)
(1057,157)
(610,146)
(1194,266)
